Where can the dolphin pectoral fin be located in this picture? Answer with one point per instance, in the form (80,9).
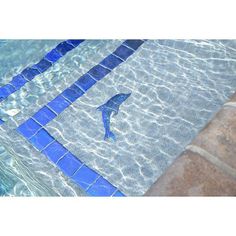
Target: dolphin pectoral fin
(110,135)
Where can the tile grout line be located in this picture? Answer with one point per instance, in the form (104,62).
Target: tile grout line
(213,159)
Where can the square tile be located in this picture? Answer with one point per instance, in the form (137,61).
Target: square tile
(101,188)
(18,81)
(54,151)
(6,90)
(53,56)
(72,93)
(69,164)
(75,42)
(98,72)
(30,73)
(123,52)
(85,82)
(111,62)
(135,44)
(44,115)
(41,139)
(29,128)
(84,177)
(63,48)
(118,194)
(43,65)
(58,104)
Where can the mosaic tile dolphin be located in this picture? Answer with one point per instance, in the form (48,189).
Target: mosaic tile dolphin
(112,105)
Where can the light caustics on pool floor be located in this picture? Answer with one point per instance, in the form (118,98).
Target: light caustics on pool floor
(176,86)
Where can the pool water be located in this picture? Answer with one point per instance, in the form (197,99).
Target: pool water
(176,87)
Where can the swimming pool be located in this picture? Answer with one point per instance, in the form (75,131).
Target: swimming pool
(52,135)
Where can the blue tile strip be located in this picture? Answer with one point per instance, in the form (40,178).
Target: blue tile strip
(33,128)
(29,73)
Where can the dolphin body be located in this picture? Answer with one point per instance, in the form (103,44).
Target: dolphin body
(112,105)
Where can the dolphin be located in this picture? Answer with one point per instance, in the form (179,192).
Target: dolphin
(111,106)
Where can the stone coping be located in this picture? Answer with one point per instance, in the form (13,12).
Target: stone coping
(207,167)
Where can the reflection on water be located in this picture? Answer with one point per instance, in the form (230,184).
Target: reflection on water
(176,86)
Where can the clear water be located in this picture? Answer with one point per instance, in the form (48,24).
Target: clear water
(176,85)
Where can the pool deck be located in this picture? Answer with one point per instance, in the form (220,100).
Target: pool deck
(207,167)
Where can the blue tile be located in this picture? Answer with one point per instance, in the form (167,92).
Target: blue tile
(123,52)
(135,44)
(84,177)
(28,128)
(111,62)
(72,93)
(63,48)
(54,151)
(58,104)
(53,56)
(101,188)
(1,121)
(41,139)
(75,42)
(18,81)
(6,90)
(30,73)
(85,82)
(44,115)
(69,164)
(118,194)
(43,65)
(98,72)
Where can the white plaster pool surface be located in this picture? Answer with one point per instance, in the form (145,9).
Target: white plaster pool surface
(176,87)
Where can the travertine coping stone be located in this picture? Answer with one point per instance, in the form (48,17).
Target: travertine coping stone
(208,166)
(192,175)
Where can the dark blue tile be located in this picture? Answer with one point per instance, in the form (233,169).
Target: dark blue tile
(98,72)
(63,48)
(135,44)
(30,73)
(6,90)
(54,151)
(53,56)
(1,121)
(72,93)
(84,177)
(44,115)
(43,65)
(111,62)
(85,82)
(28,128)
(69,164)
(18,81)
(41,139)
(75,42)
(123,52)
(58,104)
(101,188)
(118,194)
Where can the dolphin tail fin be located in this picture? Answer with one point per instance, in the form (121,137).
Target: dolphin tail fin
(109,134)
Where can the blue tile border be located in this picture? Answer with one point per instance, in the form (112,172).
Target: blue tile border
(33,128)
(29,73)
